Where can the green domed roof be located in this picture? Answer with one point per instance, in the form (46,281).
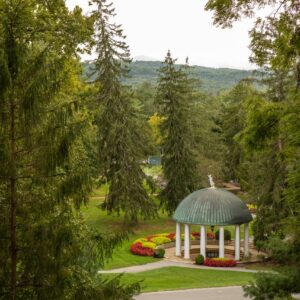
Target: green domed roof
(212,206)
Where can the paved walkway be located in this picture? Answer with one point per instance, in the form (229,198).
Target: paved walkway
(164,264)
(222,293)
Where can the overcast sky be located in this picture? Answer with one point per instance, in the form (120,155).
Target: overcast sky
(154,26)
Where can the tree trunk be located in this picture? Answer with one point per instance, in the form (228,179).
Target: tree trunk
(13,201)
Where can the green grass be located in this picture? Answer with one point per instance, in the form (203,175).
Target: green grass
(153,171)
(174,278)
(100,192)
(122,257)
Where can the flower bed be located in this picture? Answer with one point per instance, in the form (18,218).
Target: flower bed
(219,262)
(138,249)
(146,246)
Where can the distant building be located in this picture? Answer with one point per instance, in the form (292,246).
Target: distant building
(154,160)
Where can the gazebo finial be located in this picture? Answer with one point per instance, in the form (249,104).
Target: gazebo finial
(211,181)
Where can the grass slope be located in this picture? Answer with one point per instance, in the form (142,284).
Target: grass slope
(175,278)
(122,257)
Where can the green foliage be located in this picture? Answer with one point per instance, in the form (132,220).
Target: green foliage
(271,286)
(232,119)
(47,159)
(199,260)
(145,92)
(143,74)
(178,147)
(159,253)
(227,235)
(120,141)
(275,41)
(269,138)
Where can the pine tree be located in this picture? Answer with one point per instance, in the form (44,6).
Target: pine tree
(178,146)
(46,250)
(120,141)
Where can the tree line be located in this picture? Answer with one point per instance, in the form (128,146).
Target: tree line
(261,133)
(60,136)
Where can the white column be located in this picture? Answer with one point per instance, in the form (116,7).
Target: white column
(178,240)
(186,241)
(237,242)
(246,240)
(203,241)
(221,242)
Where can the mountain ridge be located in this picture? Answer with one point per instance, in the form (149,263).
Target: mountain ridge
(213,80)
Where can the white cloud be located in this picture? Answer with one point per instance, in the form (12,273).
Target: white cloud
(154,26)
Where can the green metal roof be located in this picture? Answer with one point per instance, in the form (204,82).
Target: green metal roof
(212,206)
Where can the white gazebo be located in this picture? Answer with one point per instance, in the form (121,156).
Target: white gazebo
(212,207)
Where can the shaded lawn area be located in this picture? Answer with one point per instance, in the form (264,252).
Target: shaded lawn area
(122,256)
(175,278)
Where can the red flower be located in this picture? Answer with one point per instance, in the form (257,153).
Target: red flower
(138,249)
(196,235)
(217,262)
(171,236)
(211,236)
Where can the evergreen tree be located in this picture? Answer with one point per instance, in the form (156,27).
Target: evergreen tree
(120,141)
(178,146)
(46,251)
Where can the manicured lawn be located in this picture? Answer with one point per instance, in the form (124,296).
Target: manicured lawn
(174,278)
(122,257)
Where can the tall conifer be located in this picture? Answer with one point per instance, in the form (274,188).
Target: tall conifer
(120,144)
(178,146)
(46,251)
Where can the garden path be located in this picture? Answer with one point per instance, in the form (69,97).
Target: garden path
(169,263)
(221,293)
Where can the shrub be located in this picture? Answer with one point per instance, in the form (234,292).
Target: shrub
(199,260)
(196,235)
(141,240)
(159,253)
(210,236)
(138,249)
(148,245)
(219,262)
(273,286)
(227,235)
(159,240)
(171,236)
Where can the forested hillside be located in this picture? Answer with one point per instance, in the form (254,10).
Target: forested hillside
(213,80)
(77,194)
